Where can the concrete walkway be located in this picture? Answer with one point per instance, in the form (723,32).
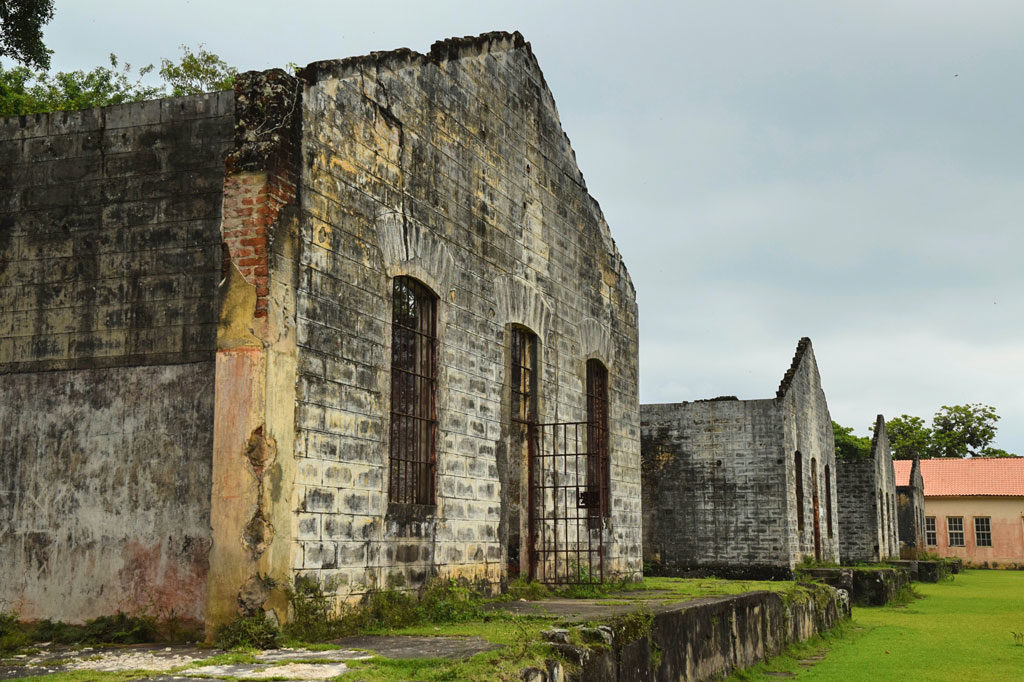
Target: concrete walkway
(293,664)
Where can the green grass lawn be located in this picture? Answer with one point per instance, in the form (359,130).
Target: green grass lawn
(960,630)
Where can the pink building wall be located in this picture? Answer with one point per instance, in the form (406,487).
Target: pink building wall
(1006,516)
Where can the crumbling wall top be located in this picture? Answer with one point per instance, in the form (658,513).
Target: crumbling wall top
(801,349)
(443,50)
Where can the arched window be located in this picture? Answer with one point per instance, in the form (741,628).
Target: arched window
(828,499)
(798,464)
(599,460)
(413,393)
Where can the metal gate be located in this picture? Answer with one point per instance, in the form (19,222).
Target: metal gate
(566,526)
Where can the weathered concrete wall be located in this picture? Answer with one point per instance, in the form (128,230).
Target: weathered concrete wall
(705,639)
(910,512)
(712,474)
(110,260)
(451,168)
(720,482)
(807,428)
(867,500)
(254,420)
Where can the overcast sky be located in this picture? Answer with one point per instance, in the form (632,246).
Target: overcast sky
(849,171)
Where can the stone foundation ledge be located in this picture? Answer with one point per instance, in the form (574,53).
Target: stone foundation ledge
(867,585)
(705,639)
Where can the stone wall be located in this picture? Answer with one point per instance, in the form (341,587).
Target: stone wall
(705,639)
(713,470)
(110,261)
(867,503)
(197,318)
(910,513)
(719,480)
(451,168)
(807,429)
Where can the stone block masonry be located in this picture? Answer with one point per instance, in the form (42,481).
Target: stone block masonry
(238,254)
(450,168)
(741,488)
(868,511)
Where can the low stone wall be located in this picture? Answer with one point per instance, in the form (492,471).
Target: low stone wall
(704,639)
(929,571)
(867,586)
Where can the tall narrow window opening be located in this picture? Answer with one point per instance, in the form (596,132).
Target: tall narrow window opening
(599,461)
(798,462)
(412,458)
(931,536)
(828,499)
(523,377)
(523,390)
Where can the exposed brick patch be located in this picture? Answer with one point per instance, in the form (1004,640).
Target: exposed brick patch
(252,204)
(262,173)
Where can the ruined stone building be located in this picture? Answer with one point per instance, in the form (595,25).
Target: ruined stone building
(363,323)
(741,488)
(868,517)
(910,511)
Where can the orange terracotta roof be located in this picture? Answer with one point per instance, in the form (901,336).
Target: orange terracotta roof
(974,476)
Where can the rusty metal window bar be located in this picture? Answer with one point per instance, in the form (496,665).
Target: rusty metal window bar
(599,462)
(798,461)
(955,529)
(412,458)
(931,536)
(982,531)
(523,379)
(828,499)
(564,547)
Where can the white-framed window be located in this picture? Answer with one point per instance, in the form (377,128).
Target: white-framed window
(955,530)
(931,537)
(982,531)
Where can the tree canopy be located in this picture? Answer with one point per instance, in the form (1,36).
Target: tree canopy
(849,446)
(27,91)
(21,31)
(955,431)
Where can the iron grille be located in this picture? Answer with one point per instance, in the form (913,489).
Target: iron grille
(565,548)
(413,388)
(598,462)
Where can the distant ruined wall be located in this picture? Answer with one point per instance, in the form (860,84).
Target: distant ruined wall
(110,247)
(910,510)
(450,168)
(712,471)
(720,484)
(868,503)
(807,429)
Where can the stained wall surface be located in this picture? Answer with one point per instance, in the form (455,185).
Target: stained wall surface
(910,513)
(807,429)
(110,247)
(868,504)
(720,480)
(450,168)
(713,473)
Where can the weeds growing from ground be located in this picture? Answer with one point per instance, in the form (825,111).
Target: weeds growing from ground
(120,628)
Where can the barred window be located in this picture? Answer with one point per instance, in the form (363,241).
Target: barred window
(955,529)
(828,499)
(982,531)
(524,370)
(413,389)
(598,461)
(798,462)
(931,537)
